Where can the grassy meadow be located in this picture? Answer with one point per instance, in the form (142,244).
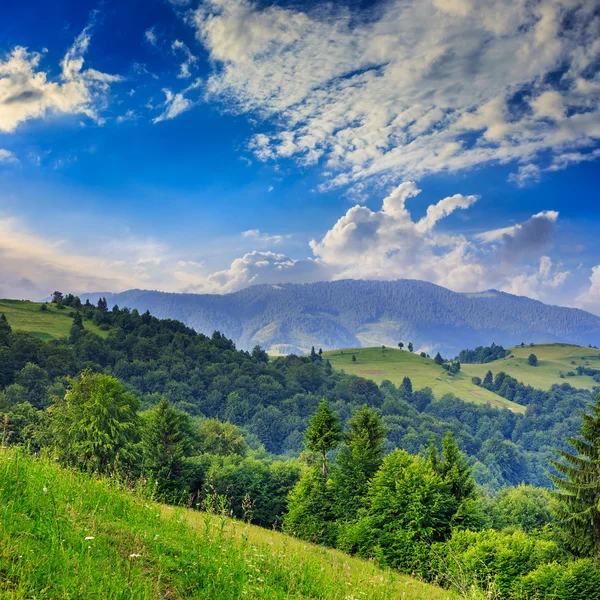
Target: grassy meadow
(64,534)
(553,359)
(50,324)
(394,364)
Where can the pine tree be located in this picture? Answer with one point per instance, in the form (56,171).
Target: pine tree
(579,488)
(353,358)
(410,346)
(323,433)
(438,359)
(166,440)
(358,461)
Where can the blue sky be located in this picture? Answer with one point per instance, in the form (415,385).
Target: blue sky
(206,146)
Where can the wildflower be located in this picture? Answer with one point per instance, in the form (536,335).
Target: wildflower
(45,490)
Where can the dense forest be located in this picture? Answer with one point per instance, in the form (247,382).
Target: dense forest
(432,487)
(342,314)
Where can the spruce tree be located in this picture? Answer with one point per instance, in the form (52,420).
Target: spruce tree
(579,488)
(406,389)
(166,440)
(358,461)
(438,359)
(323,433)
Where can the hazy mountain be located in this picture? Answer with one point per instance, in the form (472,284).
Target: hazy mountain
(294,317)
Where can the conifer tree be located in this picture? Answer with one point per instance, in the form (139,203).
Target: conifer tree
(488,379)
(406,389)
(358,461)
(579,488)
(166,441)
(438,359)
(323,433)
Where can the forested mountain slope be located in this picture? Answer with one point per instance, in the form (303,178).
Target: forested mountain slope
(351,313)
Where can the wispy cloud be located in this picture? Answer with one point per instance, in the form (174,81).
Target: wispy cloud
(259,236)
(418,87)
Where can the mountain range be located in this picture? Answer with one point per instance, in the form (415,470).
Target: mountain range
(291,318)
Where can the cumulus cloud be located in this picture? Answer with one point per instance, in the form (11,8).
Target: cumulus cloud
(364,243)
(590,298)
(388,244)
(417,87)
(537,284)
(525,239)
(257,267)
(26,92)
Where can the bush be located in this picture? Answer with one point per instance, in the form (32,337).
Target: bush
(578,580)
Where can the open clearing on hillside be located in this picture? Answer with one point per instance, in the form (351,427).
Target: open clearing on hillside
(393,364)
(553,359)
(50,324)
(69,535)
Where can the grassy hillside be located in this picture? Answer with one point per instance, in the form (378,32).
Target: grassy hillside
(553,360)
(394,364)
(66,535)
(49,324)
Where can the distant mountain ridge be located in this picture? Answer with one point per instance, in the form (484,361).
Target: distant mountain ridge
(293,317)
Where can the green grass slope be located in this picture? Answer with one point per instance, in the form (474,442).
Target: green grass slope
(553,360)
(68,535)
(50,324)
(394,364)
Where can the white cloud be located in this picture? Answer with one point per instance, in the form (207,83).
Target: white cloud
(257,235)
(176,103)
(385,244)
(28,93)
(184,68)
(590,298)
(526,174)
(538,283)
(151,37)
(6,156)
(418,87)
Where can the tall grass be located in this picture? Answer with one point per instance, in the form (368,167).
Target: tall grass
(68,535)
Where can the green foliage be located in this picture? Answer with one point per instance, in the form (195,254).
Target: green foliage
(95,426)
(357,462)
(532,360)
(324,433)
(524,507)
(493,561)
(407,508)
(311,509)
(166,440)
(222,439)
(579,486)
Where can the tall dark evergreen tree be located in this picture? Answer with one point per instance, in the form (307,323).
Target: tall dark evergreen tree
(438,359)
(579,488)
(406,389)
(358,461)
(166,441)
